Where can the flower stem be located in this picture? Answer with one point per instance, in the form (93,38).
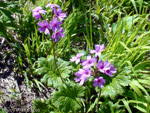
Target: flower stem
(56,63)
(98,99)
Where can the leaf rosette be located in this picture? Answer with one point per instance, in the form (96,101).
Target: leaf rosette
(47,69)
(68,98)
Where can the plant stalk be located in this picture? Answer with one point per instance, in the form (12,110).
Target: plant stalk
(56,63)
(98,98)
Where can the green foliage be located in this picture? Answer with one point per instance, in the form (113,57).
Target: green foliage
(41,105)
(47,69)
(15,28)
(116,87)
(7,20)
(68,98)
(138,100)
(109,107)
(44,106)
(2,110)
(122,25)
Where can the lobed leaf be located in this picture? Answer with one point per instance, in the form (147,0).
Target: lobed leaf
(68,98)
(115,88)
(46,68)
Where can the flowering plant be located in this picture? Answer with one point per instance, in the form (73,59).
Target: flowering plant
(53,27)
(93,66)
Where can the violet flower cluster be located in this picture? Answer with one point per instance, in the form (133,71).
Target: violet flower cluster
(54,24)
(93,66)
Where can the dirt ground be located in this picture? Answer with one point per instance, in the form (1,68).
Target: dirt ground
(15,96)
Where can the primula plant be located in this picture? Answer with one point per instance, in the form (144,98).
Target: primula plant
(51,26)
(93,66)
(56,48)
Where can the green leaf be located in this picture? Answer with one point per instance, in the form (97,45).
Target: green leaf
(68,98)
(123,44)
(46,67)
(38,83)
(115,88)
(92,105)
(44,106)
(97,11)
(40,106)
(133,2)
(140,8)
(147,82)
(11,25)
(7,14)
(130,64)
(2,110)
(140,86)
(3,30)
(137,102)
(109,107)
(140,109)
(135,88)
(2,4)
(142,65)
(87,41)
(127,105)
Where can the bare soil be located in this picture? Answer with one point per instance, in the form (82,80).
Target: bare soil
(15,96)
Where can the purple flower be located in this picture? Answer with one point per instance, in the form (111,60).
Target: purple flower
(52,6)
(99,82)
(44,27)
(55,24)
(106,68)
(83,74)
(76,58)
(58,34)
(89,62)
(110,70)
(102,66)
(37,12)
(59,14)
(98,50)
